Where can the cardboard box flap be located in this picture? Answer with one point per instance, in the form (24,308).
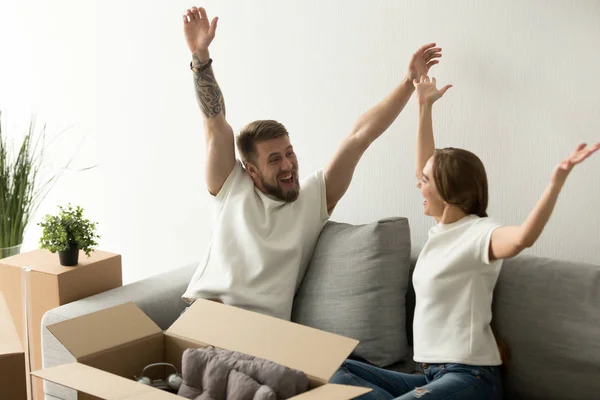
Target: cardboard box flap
(91,333)
(99,383)
(317,353)
(9,339)
(333,392)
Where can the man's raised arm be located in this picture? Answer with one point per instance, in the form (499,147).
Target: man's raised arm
(220,147)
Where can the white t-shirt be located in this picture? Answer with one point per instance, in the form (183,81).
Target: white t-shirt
(261,246)
(454,283)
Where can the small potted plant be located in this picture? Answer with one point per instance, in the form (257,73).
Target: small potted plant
(67,233)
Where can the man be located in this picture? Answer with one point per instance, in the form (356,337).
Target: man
(267,221)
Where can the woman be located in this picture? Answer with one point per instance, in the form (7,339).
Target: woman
(456,273)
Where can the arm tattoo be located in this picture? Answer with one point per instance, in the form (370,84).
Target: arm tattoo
(208,92)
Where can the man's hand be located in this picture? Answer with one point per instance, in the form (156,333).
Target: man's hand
(427,93)
(565,166)
(199,33)
(422,60)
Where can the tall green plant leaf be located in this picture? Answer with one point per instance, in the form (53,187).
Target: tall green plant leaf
(21,187)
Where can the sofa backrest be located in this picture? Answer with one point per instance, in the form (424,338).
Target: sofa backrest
(548,312)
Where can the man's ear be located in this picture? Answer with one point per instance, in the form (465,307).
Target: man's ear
(252,169)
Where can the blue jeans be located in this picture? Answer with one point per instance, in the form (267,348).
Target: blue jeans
(440,381)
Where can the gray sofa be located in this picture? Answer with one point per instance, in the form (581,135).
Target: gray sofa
(546,310)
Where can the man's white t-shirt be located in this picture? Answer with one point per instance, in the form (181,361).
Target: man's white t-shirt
(454,283)
(261,246)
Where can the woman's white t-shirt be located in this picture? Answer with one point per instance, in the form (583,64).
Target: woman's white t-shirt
(261,246)
(454,284)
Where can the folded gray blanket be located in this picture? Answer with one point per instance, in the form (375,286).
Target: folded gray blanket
(214,374)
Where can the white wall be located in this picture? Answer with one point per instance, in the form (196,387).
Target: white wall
(525,94)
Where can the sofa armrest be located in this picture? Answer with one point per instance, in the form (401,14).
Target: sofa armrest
(158,296)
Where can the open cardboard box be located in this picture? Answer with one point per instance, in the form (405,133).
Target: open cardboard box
(13,373)
(112,347)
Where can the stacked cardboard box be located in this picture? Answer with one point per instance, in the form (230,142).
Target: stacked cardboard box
(35,282)
(13,383)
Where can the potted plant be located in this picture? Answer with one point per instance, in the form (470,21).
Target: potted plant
(17,191)
(23,185)
(67,233)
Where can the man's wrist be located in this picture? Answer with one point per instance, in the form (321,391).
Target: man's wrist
(199,64)
(408,82)
(201,56)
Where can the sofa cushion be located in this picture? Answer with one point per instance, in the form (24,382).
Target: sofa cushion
(356,284)
(548,313)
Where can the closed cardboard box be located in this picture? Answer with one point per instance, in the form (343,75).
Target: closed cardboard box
(13,382)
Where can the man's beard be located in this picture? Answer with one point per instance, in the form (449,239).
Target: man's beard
(289,195)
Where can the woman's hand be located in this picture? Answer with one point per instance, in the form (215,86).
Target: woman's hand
(563,169)
(427,93)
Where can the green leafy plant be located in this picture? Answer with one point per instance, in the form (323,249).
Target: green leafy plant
(68,228)
(23,184)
